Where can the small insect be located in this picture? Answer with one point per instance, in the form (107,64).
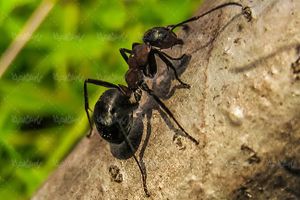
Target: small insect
(113,112)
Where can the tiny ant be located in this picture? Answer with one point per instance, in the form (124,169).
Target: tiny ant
(113,112)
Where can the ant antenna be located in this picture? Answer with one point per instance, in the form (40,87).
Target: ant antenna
(245,10)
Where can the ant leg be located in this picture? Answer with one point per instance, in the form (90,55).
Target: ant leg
(144,176)
(166,109)
(178,58)
(123,52)
(86,100)
(151,69)
(169,64)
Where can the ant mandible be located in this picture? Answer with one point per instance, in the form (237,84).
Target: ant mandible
(113,112)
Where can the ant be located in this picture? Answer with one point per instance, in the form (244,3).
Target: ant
(113,112)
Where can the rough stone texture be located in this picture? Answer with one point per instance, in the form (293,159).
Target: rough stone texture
(243,107)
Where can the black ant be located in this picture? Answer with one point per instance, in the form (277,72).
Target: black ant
(113,112)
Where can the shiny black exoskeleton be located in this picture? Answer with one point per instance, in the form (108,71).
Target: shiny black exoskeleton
(161,37)
(111,111)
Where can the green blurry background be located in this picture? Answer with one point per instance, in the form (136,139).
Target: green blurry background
(41,93)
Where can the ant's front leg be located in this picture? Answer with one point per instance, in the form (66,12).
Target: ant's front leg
(166,109)
(123,52)
(169,64)
(170,57)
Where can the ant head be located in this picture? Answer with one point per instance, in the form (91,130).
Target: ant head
(112,110)
(161,37)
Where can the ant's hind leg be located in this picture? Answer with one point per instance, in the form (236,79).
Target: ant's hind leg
(86,100)
(87,109)
(144,175)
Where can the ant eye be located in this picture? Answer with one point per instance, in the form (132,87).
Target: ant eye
(162,35)
(156,35)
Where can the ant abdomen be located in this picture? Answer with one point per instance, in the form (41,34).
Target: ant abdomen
(126,150)
(112,110)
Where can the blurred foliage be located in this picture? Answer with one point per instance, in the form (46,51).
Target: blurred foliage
(41,93)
